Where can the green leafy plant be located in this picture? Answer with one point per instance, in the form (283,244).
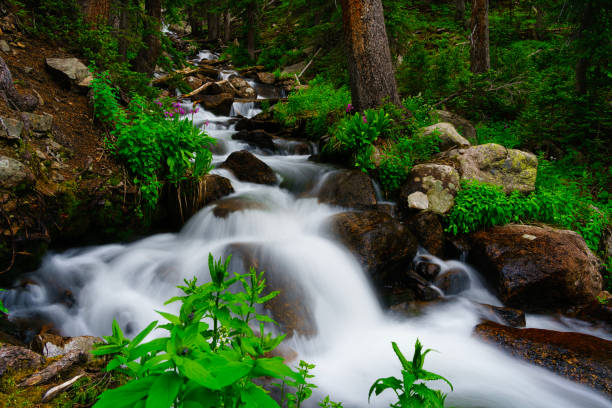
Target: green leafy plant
(411,390)
(303,390)
(156,141)
(210,355)
(328,403)
(2,308)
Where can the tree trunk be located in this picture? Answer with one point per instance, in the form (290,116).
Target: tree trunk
(227,27)
(147,57)
(460,12)
(539,25)
(96,11)
(582,66)
(213,26)
(252,27)
(125,24)
(369,59)
(479,38)
(195,21)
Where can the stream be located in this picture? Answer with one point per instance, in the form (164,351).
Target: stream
(289,233)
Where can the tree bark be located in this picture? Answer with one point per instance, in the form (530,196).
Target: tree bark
(460,12)
(213,26)
(96,11)
(539,25)
(479,53)
(252,28)
(369,59)
(227,26)
(582,66)
(125,25)
(195,21)
(147,57)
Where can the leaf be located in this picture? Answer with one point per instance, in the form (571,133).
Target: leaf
(196,372)
(383,384)
(140,337)
(164,390)
(275,367)
(255,397)
(405,363)
(170,317)
(426,375)
(127,395)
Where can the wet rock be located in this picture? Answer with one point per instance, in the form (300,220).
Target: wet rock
(266,78)
(220,104)
(427,270)
(243,89)
(269,125)
(504,315)
(453,281)
(462,125)
(514,170)
(11,129)
(193,82)
(196,195)
(247,167)
(579,357)
(258,138)
(13,173)
(440,184)
(56,368)
(448,135)
(68,70)
(417,201)
(426,226)
(209,70)
(40,124)
(18,358)
(51,345)
(537,268)
(380,242)
(348,188)
(224,208)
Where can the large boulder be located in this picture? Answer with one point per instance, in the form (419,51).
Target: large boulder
(380,242)
(258,138)
(13,173)
(448,135)
(514,170)
(192,196)
(68,70)
(267,78)
(576,356)
(428,229)
(348,188)
(537,268)
(224,208)
(463,126)
(219,104)
(439,182)
(247,167)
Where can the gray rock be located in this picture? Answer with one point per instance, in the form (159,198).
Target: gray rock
(448,135)
(418,201)
(514,170)
(463,126)
(12,172)
(4,46)
(55,346)
(295,68)
(70,69)
(453,281)
(439,182)
(40,123)
(11,130)
(18,358)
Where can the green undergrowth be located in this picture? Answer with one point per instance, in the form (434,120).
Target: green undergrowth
(561,199)
(157,145)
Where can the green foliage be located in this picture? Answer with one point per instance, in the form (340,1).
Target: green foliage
(502,133)
(318,105)
(479,206)
(196,363)
(2,308)
(328,403)
(303,390)
(155,142)
(411,390)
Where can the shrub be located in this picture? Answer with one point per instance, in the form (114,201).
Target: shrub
(155,142)
(210,356)
(411,393)
(506,134)
(318,105)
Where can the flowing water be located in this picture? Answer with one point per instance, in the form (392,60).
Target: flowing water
(288,230)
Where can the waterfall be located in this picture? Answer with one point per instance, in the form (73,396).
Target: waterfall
(288,232)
